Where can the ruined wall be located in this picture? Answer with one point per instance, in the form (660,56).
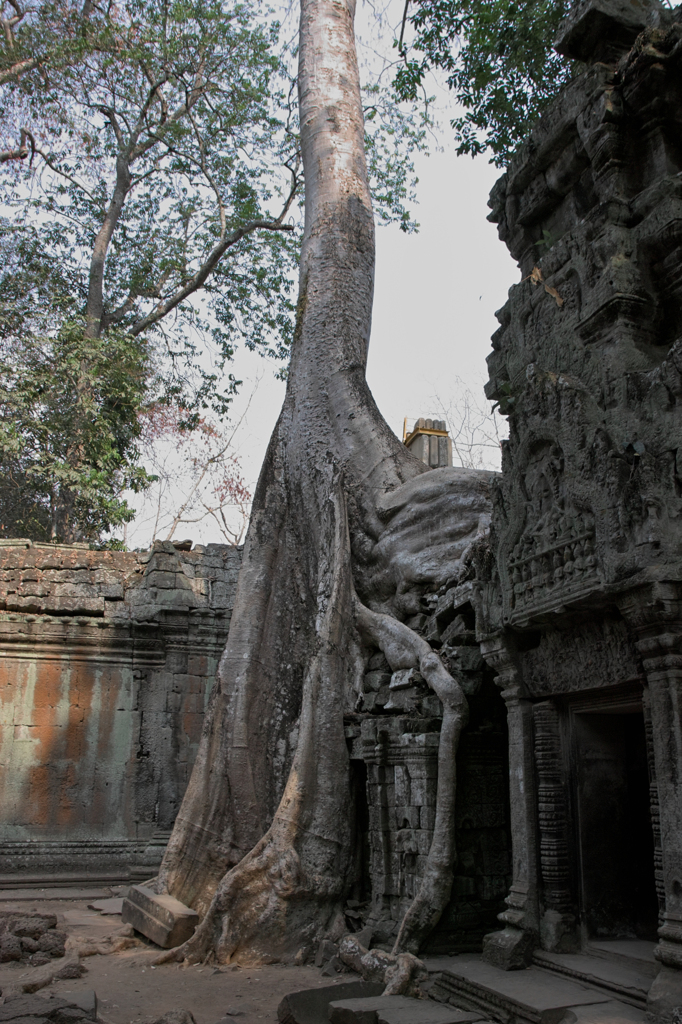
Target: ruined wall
(394,740)
(106,662)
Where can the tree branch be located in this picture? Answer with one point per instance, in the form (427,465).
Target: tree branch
(21,152)
(64,174)
(202,274)
(18,69)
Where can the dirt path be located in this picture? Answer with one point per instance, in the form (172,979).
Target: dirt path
(128,987)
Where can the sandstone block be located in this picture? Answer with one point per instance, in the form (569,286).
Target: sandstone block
(362,1011)
(312,1004)
(163,919)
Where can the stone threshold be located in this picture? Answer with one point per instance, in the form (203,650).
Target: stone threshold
(625,977)
(535,995)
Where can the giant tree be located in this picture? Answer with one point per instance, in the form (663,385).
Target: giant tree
(347,530)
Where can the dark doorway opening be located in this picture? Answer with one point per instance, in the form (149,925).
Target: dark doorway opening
(362,888)
(616,850)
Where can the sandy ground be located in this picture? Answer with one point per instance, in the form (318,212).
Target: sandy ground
(128,987)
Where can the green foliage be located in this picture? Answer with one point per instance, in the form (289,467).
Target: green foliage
(160,178)
(392,136)
(151,202)
(68,431)
(498,59)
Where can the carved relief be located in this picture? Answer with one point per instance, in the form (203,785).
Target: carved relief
(602,654)
(554,558)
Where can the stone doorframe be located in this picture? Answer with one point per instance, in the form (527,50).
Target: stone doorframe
(653,613)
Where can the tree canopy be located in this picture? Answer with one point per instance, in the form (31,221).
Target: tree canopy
(498,60)
(152,189)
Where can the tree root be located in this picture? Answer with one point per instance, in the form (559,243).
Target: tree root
(68,966)
(401,973)
(403,648)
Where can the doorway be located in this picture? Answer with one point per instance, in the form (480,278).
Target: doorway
(615,839)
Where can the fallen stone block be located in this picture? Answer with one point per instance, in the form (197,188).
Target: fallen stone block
(311,1005)
(163,919)
(364,1011)
(397,1010)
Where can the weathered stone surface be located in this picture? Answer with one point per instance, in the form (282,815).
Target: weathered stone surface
(103,701)
(527,996)
(163,919)
(602,29)
(112,906)
(171,1017)
(578,593)
(397,1010)
(311,1006)
(30,937)
(85,1000)
(70,1008)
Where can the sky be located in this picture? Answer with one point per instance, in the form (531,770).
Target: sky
(436,293)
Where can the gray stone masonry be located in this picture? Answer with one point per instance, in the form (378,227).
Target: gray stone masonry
(579,594)
(107,661)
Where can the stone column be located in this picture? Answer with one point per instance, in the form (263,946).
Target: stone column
(655,615)
(512,947)
(558,923)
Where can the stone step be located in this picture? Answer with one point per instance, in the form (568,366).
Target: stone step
(531,996)
(628,983)
(397,1010)
(607,1013)
(636,953)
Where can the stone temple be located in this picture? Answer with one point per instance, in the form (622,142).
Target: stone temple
(565,626)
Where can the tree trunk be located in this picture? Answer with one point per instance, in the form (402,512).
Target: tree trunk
(335,553)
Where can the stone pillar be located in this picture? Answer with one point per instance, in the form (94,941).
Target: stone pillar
(558,924)
(655,615)
(512,947)
(653,805)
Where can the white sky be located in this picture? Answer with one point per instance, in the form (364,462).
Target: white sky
(436,293)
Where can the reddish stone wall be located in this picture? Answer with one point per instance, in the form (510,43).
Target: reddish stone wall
(106,662)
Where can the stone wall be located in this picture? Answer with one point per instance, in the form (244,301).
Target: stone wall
(394,742)
(107,659)
(580,617)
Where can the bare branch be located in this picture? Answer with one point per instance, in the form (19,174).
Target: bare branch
(401,48)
